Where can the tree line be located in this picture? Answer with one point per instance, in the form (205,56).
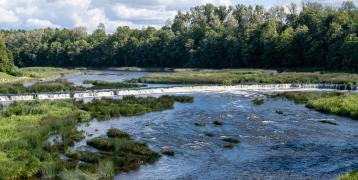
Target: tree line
(208,36)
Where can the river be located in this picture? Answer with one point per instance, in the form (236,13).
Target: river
(292,145)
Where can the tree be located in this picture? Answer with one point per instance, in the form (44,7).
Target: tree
(6,59)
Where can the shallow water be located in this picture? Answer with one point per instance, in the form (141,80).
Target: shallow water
(273,146)
(105,75)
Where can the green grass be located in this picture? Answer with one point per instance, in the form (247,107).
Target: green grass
(111,85)
(39,87)
(349,176)
(116,133)
(35,73)
(345,105)
(26,153)
(304,96)
(130,106)
(235,76)
(327,102)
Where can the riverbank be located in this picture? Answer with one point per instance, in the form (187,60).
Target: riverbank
(36,74)
(236,76)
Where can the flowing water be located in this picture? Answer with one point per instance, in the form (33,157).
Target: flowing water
(292,145)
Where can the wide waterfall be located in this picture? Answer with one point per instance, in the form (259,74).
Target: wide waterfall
(181,89)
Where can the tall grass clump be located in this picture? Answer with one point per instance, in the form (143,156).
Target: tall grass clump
(111,85)
(236,76)
(304,97)
(349,176)
(130,105)
(39,87)
(345,105)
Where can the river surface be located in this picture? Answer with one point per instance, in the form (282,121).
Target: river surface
(292,145)
(110,76)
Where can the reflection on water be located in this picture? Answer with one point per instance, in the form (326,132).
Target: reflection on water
(273,146)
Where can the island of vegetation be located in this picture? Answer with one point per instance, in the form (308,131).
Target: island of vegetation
(25,150)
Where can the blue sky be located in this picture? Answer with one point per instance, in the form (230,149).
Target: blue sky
(30,14)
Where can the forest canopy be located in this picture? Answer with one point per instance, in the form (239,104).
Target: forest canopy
(306,36)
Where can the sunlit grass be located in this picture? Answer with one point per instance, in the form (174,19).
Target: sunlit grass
(228,77)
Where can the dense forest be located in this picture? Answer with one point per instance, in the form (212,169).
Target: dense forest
(297,36)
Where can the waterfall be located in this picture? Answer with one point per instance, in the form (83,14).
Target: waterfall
(180,89)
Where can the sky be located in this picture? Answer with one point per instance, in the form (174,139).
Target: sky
(32,14)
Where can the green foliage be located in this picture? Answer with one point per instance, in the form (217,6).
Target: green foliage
(39,87)
(110,85)
(130,105)
(6,59)
(345,105)
(25,151)
(116,133)
(304,97)
(349,176)
(248,76)
(258,101)
(207,36)
(327,102)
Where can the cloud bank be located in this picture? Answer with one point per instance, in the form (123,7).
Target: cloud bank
(31,14)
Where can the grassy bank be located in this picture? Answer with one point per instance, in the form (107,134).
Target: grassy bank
(35,73)
(26,126)
(111,85)
(60,85)
(229,77)
(327,102)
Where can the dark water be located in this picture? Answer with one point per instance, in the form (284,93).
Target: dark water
(273,146)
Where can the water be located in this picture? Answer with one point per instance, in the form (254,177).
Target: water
(109,76)
(105,75)
(273,146)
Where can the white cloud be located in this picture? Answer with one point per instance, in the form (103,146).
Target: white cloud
(135,13)
(8,16)
(40,23)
